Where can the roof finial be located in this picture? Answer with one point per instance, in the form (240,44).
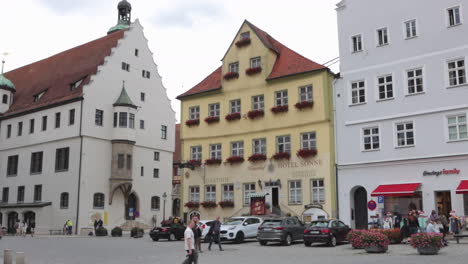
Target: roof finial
(123,84)
(3,60)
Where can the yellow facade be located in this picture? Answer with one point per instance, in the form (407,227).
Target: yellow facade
(318,119)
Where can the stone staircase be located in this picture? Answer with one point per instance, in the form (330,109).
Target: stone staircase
(129,224)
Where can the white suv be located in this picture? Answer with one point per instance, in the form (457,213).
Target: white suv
(239,228)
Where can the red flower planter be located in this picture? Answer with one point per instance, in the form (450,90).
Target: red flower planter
(255,114)
(252,71)
(231,75)
(209,204)
(235,159)
(225,204)
(193,122)
(196,163)
(213,161)
(233,116)
(257,157)
(243,42)
(306,153)
(212,119)
(303,105)
(280,109)
(192,205)
(281,156)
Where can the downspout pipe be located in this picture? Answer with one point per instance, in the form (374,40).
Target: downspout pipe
(79,169)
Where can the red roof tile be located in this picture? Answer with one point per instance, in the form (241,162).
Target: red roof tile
(56,73)
(177,155)
(210,83)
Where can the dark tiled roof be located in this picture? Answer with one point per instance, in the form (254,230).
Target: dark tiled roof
(210,83)
(177,155)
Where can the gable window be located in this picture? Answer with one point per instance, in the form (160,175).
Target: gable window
(281,98)
(318,191)
(155,173)
(235,106)
(258,102)
(5,194)
(155,203)
(405,134)
(98,201)
(36,162)
(210,193)
(456,72)
(194,113)
(228,192)
(308,140)
(137,52)
(358,92)
(453,15)
(385,84)
(31,126)
(123,119)
(410,27)
(37,193)
(213,110)
(295,192)
(5,99)
(120,161)
(61,159)
(44,123)
(20,129)
(234,67)
(259,146)
(356,42)
(8,131)
(99,117)
(156,155)
(64,200)
(145,74)
(237,149)
(457,127)
(164,132)
(142,124)
(194,194)
(20,194)
(249,188)
(382,36)
(71,117)
(131,120)
(12,165)
(283,144)
(305,93)
(125,66)
(255,62)
(57,120)
(142,97)
(196,153)
(415,81)
(371,139)
(142,171)
(215,151)
(245,35)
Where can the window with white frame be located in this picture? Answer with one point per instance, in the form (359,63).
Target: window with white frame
(235,106)
(356,42)
(456,72)
(283,144)
(228,192)
(215,151)
(210,193)
(453,15)
(371,140)
(305,93)
(255,62)
(405,134)
(249,188)
(415,81)
(245,35)
(308,140)
(194,112)
(318,191)
(295,192)
(385,84)
(410,27)
(213,109)
(259,146)
(258,102)
(281,98)
(382,36)
(358,92)
(196,153)
(457,127)
(194,193)
(234,67)
(237,149)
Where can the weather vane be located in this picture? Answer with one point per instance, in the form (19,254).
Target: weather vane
(3,59)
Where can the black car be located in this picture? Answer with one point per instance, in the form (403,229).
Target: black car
(170,232)
(281,229)
(326,231)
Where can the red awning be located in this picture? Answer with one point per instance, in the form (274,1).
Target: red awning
(463,187)
(406,189)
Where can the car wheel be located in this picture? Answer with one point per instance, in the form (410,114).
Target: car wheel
(307,243)
(155,238)
(288,240)
(239,237)
(263,242)
(332,242)
(172,237)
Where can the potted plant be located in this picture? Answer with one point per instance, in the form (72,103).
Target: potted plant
(212,119)
(137,232)
(355,238)
(427,243)
(233,116)
(212,161)
(304,104)
(235,159)
(375,242)
(243,42)
(393,235)
(196,163)
(255,114)
(192,205)
(306,153)
(116,232)
(254,70)
(209,204)
(280,109)
(226,204)
(257,157)
(281,156)
(101,231)
(192,122)
(230,75)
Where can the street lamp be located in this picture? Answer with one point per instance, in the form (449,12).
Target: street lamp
(164,196)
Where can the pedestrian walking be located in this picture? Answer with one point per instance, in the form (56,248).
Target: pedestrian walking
(23,228)
(69,227)
(198,233)
(32,227)
(413,223)
(189,243)
(95,225)
(434,216)
(214,233)
(17,228)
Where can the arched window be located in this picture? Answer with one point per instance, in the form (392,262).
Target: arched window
(5,99)
(64,200)
(155,203)
(98,201)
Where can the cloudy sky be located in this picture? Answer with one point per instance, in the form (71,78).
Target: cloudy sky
(188,37)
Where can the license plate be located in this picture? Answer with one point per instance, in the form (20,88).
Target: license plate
(315,232)
(267,229)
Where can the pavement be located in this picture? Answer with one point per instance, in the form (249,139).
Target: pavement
(109,250)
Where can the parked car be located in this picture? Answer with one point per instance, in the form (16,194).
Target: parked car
(205,226)
(239,228)
(170,232)
(284,229)
(326,231)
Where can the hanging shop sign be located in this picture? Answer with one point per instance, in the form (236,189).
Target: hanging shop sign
(441,172)
(371,205)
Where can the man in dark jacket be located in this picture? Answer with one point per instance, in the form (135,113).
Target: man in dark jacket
(197,233)
(215,228)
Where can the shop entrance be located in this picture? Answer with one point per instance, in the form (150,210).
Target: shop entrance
(275,197)
(360,208)
(443,203)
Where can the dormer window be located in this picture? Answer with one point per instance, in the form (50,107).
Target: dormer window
(245,35)
(76,84)
(5,99)
(38,96)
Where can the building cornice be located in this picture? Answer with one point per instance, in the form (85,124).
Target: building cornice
(41,108)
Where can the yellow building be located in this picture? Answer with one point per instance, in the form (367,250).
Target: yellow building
(240,124)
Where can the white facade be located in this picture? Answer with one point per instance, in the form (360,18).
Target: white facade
(385,47)
(90,173)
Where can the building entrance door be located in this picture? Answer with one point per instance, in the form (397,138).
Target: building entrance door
(443,203)
(275,197)
(132,207)
(12,219)
(360,208)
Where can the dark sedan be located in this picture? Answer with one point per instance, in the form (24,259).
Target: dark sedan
(282,229)
(170,232)
(326,231)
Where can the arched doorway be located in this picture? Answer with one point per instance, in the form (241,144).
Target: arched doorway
(360,208)
(29,217)
(12,219)
(176,207)
(131,210)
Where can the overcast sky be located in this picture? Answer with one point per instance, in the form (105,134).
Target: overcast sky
(188,37)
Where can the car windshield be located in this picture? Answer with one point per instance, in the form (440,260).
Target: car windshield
(234,221)
(319,224)
(272,222)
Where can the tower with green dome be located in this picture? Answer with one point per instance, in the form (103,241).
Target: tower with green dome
(124,16)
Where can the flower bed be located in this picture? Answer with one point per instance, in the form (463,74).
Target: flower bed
(192,122)
(231,75)
(209,204)
(393,235)
(196,163)
(233,116)
(374,242)
(226,204)
(252,71)
(280,109)
(243,42)
(257,157)
(255,114)
(235,159)
(212,119)
(355,238)
(213,161)
(305,104)
(306,153)
(427,243)
(192,205)
(281,156)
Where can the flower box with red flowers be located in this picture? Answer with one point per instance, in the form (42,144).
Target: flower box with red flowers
(213,161)
(255,114)
(280,109)
(233,116)
(306,153)
(243,42)
(192,122)
(304,104)
(254,70)
(196,163)
(209,204)
(192,205)
(231,75)
(225,204)
(212,119)
(235,159)
(281,156)
(257,157)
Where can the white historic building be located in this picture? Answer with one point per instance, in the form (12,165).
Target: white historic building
(401,107)
(87,133)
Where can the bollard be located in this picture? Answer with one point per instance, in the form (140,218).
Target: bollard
(8,256)
(20,258)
